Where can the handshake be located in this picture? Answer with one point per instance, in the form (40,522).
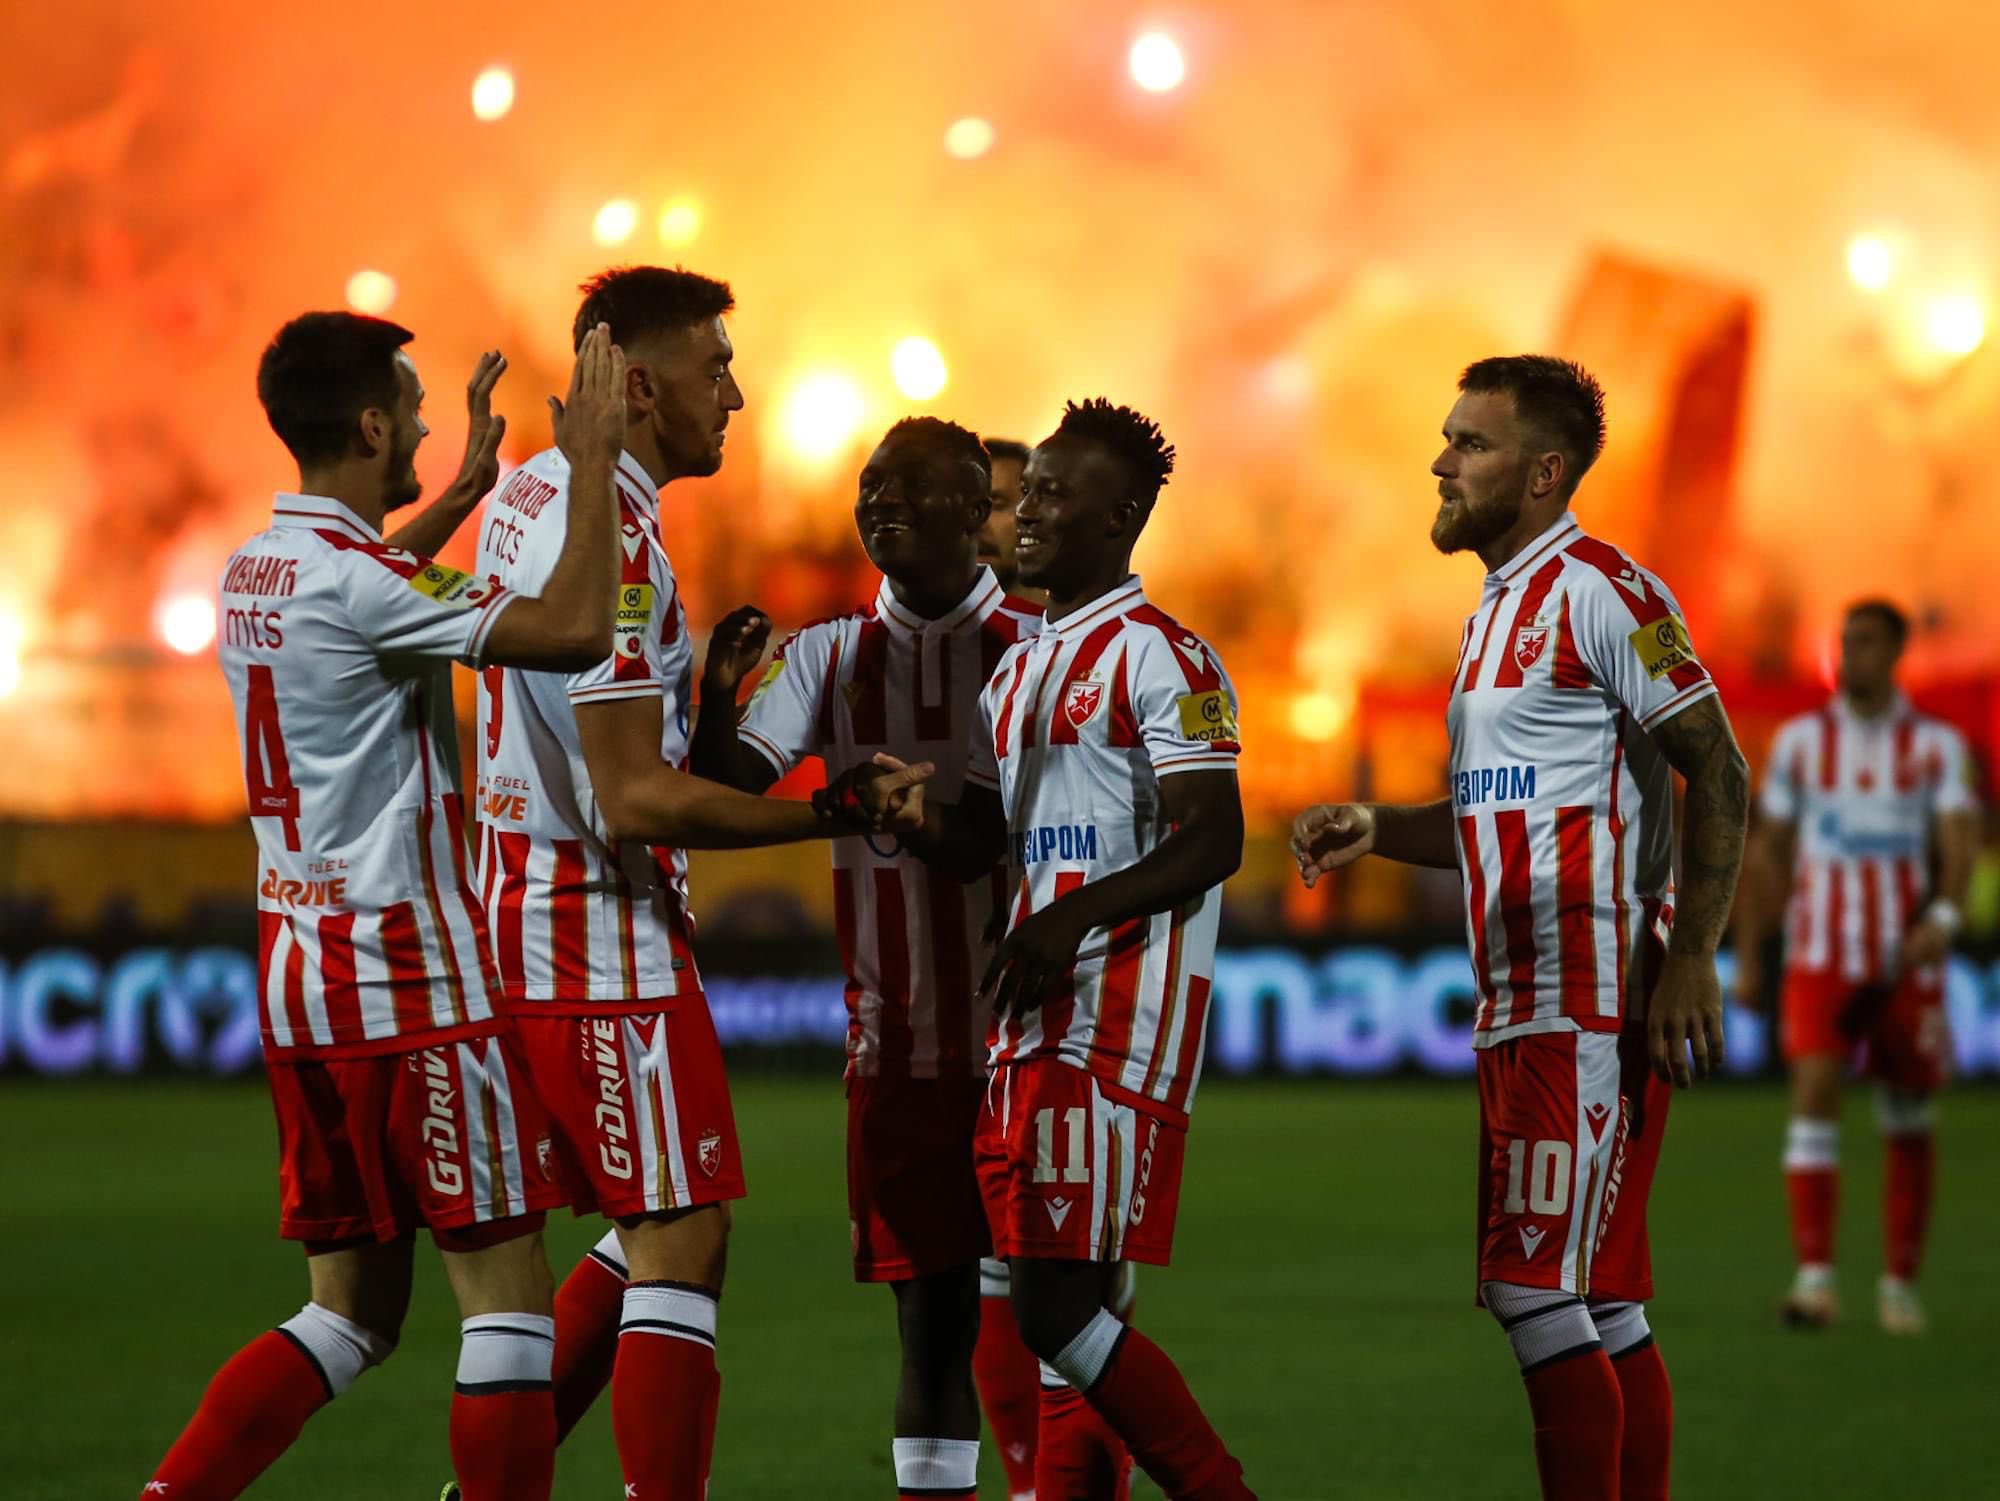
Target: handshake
(879,796)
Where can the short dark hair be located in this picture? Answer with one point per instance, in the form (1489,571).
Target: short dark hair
(319,375)
(1891,616)
(1007,448)
(963,442)
(1135,439)
(1558,398)
(641,300)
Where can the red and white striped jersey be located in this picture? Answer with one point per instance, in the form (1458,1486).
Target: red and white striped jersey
(1562,802)
(1084,721)
(338,653)
(578,923)
(912,940)
(1865,795)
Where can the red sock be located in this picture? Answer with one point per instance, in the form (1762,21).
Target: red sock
(1908,1179)
(503,1445)
(1815,1195)
(709,1411)
(1148,1405)
(661,1414)
(1010,1382)
(252,1411)
(1579,1418)
(1077,1456)
(1647,1452)
(587,1307)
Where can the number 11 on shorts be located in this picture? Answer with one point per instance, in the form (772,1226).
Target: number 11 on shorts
(1075,1170)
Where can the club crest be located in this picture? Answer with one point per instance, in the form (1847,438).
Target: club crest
(1082,701)
(708,1152)
(1529,644)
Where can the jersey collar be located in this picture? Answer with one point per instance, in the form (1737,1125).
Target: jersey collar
(633,473)
(1126,596)
(1898,707)
(319,513)
(986,591)
(1565,529)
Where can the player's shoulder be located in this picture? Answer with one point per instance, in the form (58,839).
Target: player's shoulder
(1158,643)
(1937,729)
(1602,575)
(1014,619)
(818,639)
(1798,726)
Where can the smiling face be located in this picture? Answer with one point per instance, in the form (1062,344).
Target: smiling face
(919,509)
(1077,513)
(682,384)
(400,485)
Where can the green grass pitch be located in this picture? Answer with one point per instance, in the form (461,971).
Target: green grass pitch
(1319,1304)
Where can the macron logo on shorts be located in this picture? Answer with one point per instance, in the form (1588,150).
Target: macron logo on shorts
(1058,1210)
(1531,1240)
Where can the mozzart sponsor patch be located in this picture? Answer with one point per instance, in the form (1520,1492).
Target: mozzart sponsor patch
(1664,646)
(635,612)
(1207,716)
(771,675)
(448,586)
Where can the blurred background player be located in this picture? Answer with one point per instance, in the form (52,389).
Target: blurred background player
(1111,741)
(401,1101)
(901,676)
(998,548)
(1577,691)
(1870,825)
(590,812)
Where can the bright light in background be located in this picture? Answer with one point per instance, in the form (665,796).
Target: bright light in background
(615,222)
(1870,262)
(371,292)
(186,622)
(1288,380)
(821,415)
(12,635)
(680,222)
(1319,716)
(1955,324)
(492,93)
(918,368)
(968,138)
(1156,63)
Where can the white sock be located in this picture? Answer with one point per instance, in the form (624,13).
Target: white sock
(1540,1323)
(505,1352)
(1084,1358)
(611,1254)
(1812,1145)
(671,1309)
(1622,1327)
(341,1348)
(937,1464)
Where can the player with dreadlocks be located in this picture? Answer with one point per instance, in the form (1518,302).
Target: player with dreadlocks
(1111,739)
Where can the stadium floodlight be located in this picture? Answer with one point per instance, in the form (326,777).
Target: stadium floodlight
(680,222)
(918,368)
(1871,262)
(1156,63)
(1319,716)
(492,93)
(822,414)
(615,222)
(186,622)
(12,637)
(1955,324)
(371,292)
(969,138)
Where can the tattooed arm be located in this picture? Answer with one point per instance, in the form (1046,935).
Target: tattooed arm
(1685,1011)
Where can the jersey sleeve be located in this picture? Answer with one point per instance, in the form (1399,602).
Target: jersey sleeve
(1630,634)
(404,605)
(1958,774)
(782,719)
(636,667)
(982,761)
(1780,798)
(1183,702)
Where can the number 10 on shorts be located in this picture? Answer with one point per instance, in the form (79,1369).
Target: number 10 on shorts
(1076,1169)
(1547,1185)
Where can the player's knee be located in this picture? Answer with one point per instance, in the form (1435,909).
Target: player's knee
(338,1346)
(1542,1324)
(1905,1112)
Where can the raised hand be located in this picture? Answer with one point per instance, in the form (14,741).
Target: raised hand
(1329,835)
(481,465)
(590,423)
(735,647)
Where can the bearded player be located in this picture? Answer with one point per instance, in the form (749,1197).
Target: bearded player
(401,1102)
(1871,822)
(1110,740)
(1576,696)
(589,814)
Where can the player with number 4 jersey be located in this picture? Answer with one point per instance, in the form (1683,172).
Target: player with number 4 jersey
(402,1102)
